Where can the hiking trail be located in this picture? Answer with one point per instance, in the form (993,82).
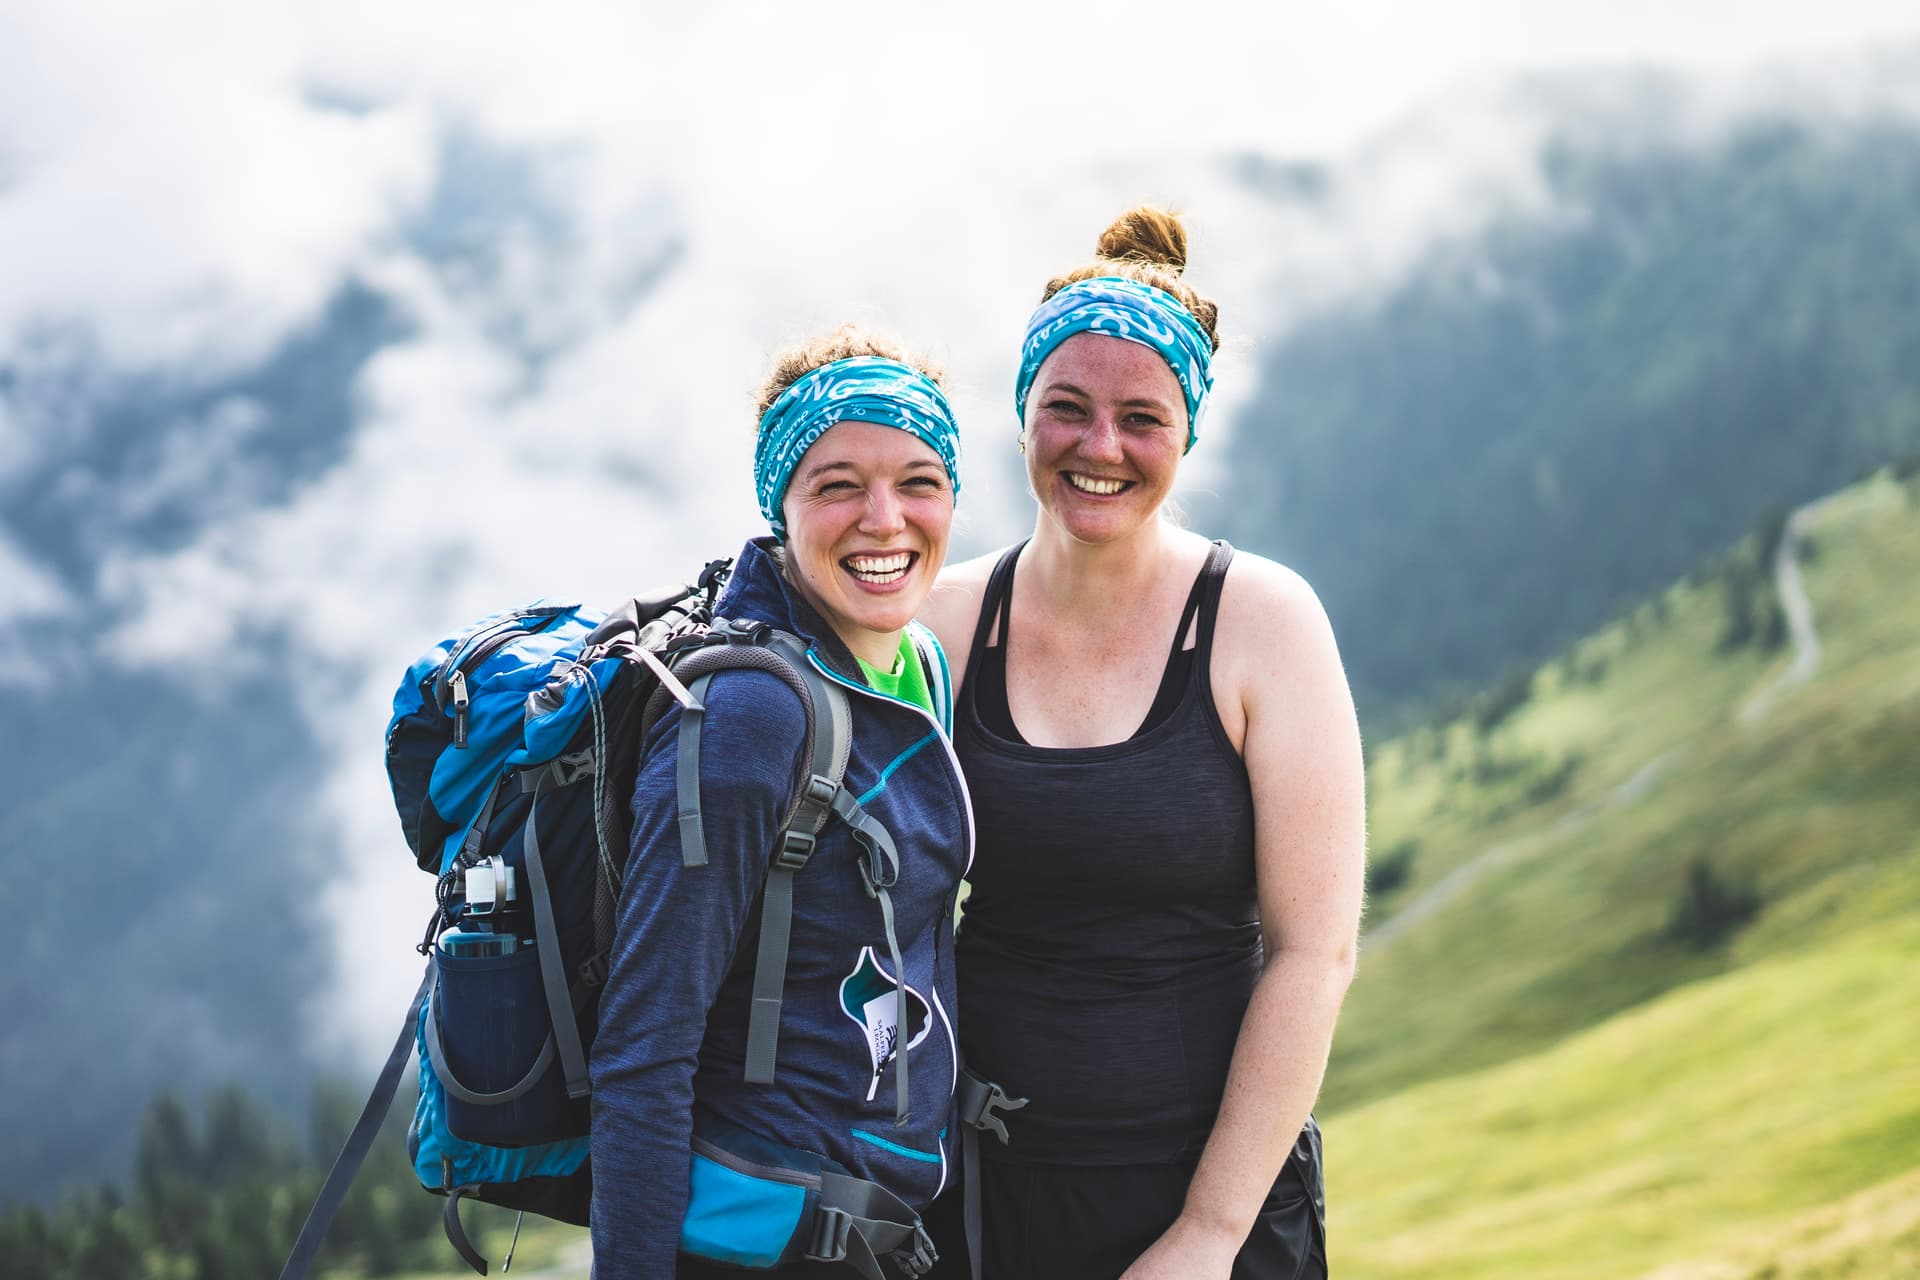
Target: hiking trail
(1792,589)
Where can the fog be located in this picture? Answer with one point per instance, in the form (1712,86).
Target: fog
(586,231)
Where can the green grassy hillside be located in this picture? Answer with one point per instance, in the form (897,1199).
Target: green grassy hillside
(1539,1073)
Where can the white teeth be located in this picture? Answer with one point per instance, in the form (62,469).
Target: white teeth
(879,569)
(1087,484)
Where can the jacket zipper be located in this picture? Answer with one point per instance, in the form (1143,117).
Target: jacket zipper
(953,757)
(966,800)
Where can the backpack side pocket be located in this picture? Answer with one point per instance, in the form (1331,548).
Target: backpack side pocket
(490,1044)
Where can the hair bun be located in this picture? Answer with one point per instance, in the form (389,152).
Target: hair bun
(1146,234)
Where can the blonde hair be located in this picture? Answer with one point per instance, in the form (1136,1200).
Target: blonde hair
(790,364)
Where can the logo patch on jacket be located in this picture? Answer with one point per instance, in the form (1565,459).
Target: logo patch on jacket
(868,996)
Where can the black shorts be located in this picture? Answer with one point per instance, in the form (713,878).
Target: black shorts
(1066,1222)
(698,1269)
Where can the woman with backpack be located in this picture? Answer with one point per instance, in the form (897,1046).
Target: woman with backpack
(1169,802)
(856,472)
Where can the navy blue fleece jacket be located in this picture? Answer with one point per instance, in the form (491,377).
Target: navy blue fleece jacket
(673,1018)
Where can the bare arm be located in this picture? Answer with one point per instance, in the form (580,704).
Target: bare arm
(1301,743)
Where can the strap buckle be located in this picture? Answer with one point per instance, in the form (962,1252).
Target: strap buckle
(875,874)
(561,771)
(796,848)
(919,1259)
(740,631)
(571,768)
(821,791)
(832,1228)
(976,1101)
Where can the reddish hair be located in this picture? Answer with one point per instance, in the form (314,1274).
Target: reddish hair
(1147,245)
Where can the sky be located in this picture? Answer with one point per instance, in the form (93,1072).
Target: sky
(593,222)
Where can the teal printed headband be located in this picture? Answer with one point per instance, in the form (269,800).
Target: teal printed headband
(1116,307)
(862,389)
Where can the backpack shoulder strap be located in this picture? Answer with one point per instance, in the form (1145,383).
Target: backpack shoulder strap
(824,793)
(829,742)
(829,746)
(697,669)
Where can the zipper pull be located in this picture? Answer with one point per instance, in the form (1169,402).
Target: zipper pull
(458,683)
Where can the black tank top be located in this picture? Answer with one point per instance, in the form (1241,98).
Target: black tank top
(1111,940)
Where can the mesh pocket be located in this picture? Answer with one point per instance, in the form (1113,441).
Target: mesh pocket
(495,1056)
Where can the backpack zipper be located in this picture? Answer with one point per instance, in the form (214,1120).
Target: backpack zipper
(489,638)
(458,683)
(450,682)
(753,1168)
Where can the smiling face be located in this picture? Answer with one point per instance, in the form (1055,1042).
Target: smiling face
(867,515)
(1106,426)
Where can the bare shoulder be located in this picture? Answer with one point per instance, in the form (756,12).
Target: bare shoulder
(1263,601)
(1301,743)
(1273,643)
(952,608)
(969,574)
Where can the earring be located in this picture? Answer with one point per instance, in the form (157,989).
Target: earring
(1023,441)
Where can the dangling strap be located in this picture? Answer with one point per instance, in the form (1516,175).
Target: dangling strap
(553,977)
(879,871)
(975,1100)
(450,1223)
(354,1153)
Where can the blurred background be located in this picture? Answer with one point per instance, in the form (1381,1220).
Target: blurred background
(1573,356)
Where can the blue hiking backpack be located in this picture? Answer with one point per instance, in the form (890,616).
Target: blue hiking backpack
(512,754)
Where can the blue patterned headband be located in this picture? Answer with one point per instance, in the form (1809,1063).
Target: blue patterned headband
(862,389)
(1116,307)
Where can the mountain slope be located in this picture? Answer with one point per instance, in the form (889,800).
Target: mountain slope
(1672,1132)
(1542,1073)
(1693,333)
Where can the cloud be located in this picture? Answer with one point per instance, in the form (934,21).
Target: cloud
(172,190)
(595,223)
(27,592)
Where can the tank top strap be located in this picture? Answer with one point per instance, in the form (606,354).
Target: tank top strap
(1213,577)
(1187,612)
(995,603)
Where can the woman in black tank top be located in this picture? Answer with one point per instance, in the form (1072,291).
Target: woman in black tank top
(1166,780)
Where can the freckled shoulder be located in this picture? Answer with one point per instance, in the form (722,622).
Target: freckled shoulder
(1261,586)
(952,608)
(1272,635)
